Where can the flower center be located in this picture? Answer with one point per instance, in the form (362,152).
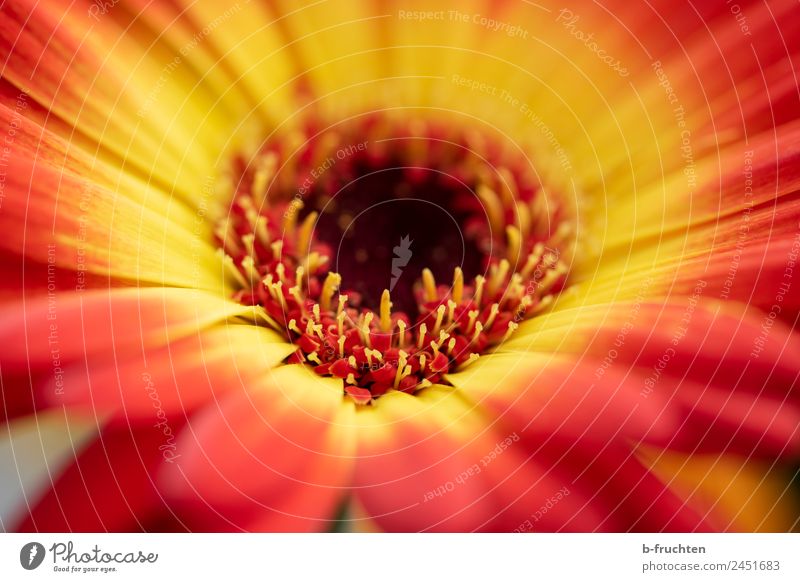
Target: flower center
(393,253)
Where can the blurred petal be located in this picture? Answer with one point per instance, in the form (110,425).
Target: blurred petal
(175,378)
(276,457)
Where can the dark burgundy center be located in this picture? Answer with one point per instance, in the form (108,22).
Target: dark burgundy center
(387,224)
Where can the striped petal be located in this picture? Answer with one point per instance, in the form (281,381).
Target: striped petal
(275,457)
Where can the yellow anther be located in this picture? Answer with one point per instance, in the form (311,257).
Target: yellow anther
(513,244)
(478,330)
(249,245)
(451,311)
(290,220)
(304,234)
(386,311)
(533,259)
(340,322)
(512,327)
(365,323)
(342,300)
(473,357)
(479,283)
(423,329)
(439,317)
(492,205)
(458,285)
(258,190)
(498,277)
(230,267)
(401,340)
(332,282)
(493,311)
(472,317)
(249,266)
(280,270)
(429,285)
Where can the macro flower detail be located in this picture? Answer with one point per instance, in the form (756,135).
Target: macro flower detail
(414,266)
(271,249)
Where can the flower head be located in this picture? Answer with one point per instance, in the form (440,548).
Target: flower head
(502,267)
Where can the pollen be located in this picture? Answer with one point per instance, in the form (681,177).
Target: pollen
(390,267)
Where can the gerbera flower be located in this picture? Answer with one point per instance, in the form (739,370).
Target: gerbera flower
(416,266)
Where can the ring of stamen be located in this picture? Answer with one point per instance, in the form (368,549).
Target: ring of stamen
(270,248)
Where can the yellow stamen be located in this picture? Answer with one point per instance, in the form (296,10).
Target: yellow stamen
(478,330)
(298,277)
(280,270)
(479,283)
(304,235)
(386,311)
(365,323)
(498,277)
(512,327)
(550,278)
(439,318)
(473,357)
(342,300)
(295,292)
(543,304)
(472,316)
(332,282)
(458,285)
(423,329)
(533,260)
(493,206)
(493,311)
(514,244)
(523,217)
(451,311)
(278,287)
(290,220)
(429,284)
(340,322)
(249,266)
(227,262)
(340,341)
(401,340)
